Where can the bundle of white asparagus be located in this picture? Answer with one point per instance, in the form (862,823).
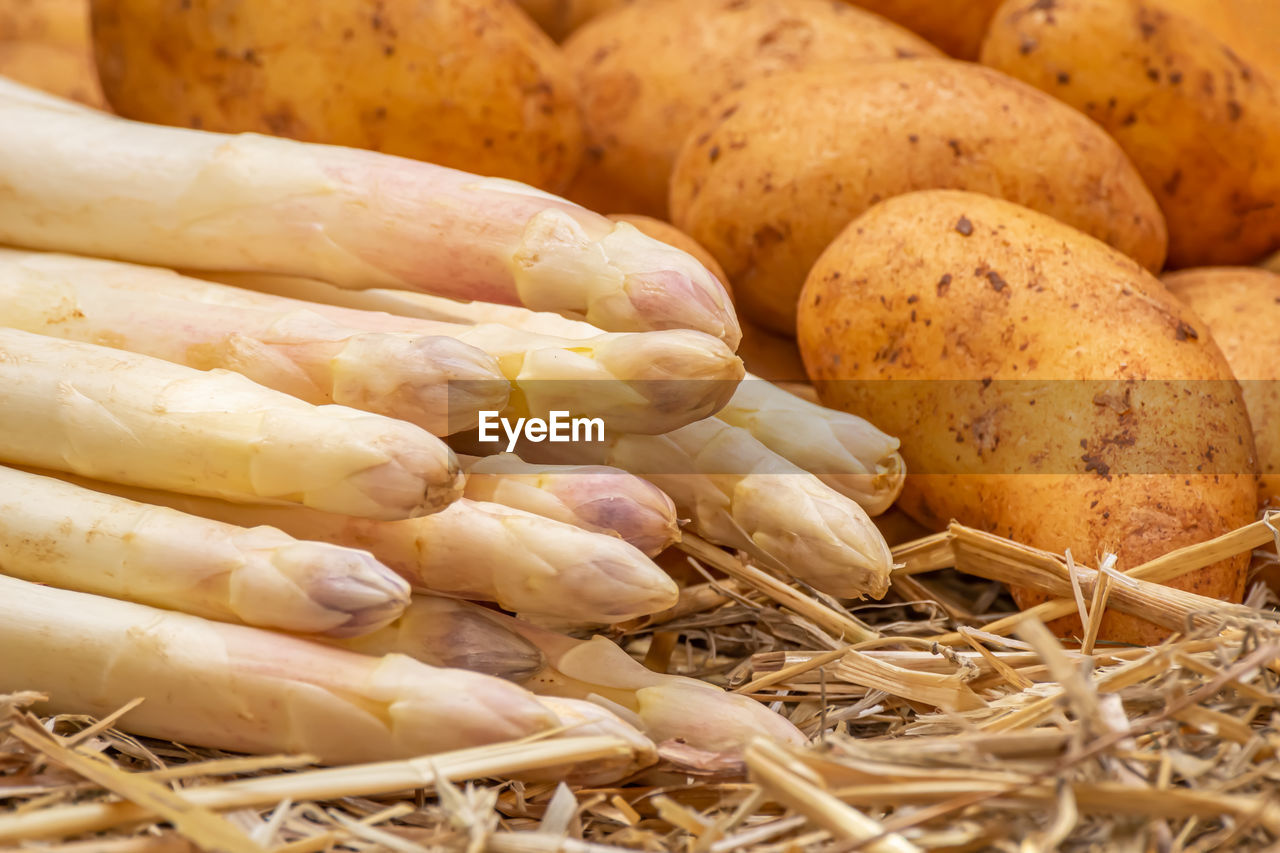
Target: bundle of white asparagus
(781,478)
(844,451)
(198,486)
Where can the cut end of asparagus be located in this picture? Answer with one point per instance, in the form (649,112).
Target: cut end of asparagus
(709,719)
(678,372)
(824,538)
(358,592)
(438,383)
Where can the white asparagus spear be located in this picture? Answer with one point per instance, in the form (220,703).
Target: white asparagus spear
(245,689)
(649,382)
(737,492)
(436,382)
(484,551)
(129,418)
(845,451)
(593,497)
(665,707)
(104,186)
(60,534)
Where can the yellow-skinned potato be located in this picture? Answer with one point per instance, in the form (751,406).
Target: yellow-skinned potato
(769,355)
(1241,306)
(1251,27)
(791,160)
(956,26)
(471,84)
(561,17)
(67,72)
(60,22)
(1028,361)
(649,72)
(673,236)
(1201,122)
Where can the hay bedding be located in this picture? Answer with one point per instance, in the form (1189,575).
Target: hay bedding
(940,720)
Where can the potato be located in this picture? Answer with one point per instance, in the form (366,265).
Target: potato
(790,160)
(558,18)
(472,84)
(956,26)
(60,22)
(650,71)
(673,236)
(1044,386)
(769,355)
(1251,27)
(67,72)
(1201,123)
(897,527)
(1241,306)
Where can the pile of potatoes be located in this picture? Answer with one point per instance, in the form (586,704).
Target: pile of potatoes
(953,217)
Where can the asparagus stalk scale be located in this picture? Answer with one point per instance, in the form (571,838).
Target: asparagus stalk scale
(450,633)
